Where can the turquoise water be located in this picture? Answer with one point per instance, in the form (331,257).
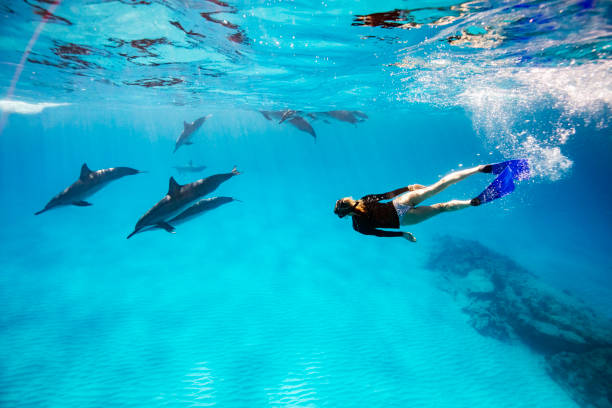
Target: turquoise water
(274,301)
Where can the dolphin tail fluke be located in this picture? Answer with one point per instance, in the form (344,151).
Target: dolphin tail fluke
(235,171)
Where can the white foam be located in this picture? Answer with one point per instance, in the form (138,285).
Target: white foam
(26,108)
(545,161)
(519,101)
(561,97)
(577,89)
(521,112)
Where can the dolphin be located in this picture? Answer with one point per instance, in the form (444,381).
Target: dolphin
(292,117)
(281,116)
(352,117)
(178,197)
(189,168)
(343,116)
(89,182)
(205,204)
(288,114)
(301,124)
(272,114)
(188,130)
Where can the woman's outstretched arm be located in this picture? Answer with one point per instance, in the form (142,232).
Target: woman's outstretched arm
(384,233)
(380,233)
(368,230)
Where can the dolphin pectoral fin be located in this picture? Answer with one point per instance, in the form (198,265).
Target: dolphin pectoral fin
(167,227)
(188,143)
(82,203)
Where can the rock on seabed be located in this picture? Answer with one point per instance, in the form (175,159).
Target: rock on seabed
(505,301)
(587,377)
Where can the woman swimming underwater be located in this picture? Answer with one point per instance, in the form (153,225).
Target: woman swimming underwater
(370,214)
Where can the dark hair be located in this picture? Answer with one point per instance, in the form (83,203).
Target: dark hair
(343,208)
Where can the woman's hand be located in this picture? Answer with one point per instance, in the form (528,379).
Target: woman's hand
(409,236)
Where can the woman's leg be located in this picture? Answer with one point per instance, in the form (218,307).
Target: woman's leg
(421,213)
(413,187)
(416,197)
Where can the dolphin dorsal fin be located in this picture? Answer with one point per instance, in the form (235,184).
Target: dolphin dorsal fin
(185,125)
(85,172)
(174,187)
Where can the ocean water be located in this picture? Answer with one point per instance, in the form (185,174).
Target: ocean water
(273,300)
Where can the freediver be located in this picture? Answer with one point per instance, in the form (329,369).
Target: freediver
(370,214)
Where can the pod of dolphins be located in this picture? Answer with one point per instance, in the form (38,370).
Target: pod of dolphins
(298,118)
(177,206)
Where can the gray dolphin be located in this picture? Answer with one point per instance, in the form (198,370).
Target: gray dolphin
(190,168)
(272,114)
(202,206)
(178,197)
(293,118)
(188,130)
(343,116)
(89,182)
(352,117)
(281,116)
(301,124)
(288,114)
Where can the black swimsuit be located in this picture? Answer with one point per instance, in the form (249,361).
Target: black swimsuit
(379,215)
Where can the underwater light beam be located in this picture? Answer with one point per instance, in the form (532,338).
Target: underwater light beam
(24,57)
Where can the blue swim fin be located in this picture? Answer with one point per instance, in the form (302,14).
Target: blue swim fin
(519,167)
(501,186)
